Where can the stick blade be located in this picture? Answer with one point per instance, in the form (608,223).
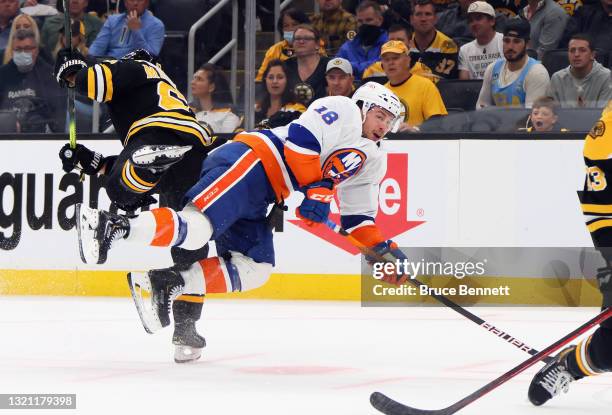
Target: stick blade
(388,406)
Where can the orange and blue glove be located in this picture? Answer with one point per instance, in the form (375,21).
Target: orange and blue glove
(315,206)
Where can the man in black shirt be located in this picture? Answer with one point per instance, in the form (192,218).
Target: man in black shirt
(27,88)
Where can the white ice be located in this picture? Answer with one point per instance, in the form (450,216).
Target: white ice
(280,358)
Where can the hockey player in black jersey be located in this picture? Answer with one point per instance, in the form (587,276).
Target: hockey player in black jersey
(163,149)
(592,355)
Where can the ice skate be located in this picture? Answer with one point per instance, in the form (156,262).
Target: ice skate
(153,293)
(552,379)
(188,343)
(97,230)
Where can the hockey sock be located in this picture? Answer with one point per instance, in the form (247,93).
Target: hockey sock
(211,275)
(600,349)
(592,355)
(187,229)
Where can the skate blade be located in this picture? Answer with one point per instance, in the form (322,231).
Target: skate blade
(186,354)
(150,154)
(86,224)
(140,288)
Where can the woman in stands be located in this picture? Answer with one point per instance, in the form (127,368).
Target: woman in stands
(22,21)
(283,50)
(213,100)
(277,100)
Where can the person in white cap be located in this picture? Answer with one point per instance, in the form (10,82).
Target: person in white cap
(487,47)
(339,77)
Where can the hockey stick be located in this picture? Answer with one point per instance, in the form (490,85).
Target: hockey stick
(71,93)
(442,299)
(388,406)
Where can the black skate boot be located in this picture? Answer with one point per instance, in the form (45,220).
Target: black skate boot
(188,343)
(552,379)
(97,230)
(153,293)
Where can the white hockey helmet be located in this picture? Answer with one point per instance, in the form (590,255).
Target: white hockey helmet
(374,94)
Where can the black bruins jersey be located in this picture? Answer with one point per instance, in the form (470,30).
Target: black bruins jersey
(140,96)
(441,56)
(596,198)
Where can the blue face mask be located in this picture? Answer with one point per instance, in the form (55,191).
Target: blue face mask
(23,60)
(288,36)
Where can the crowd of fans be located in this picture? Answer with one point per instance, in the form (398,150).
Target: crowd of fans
(541,56)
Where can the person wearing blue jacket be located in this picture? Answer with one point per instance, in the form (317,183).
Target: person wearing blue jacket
(134,29)
(364,49)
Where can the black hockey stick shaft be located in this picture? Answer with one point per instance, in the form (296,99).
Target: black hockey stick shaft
(71,93)
(440,298)
(388,406)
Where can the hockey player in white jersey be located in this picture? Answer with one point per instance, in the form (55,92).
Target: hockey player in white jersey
(332,146)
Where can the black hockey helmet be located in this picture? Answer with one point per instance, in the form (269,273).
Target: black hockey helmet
(139,55)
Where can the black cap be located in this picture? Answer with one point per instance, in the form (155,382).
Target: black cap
(518,27)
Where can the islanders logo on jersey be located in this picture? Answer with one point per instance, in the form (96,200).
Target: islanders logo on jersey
(342,164)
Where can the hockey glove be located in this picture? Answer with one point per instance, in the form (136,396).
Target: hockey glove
(315,206)
(68,63)
(388,251)
(89,162)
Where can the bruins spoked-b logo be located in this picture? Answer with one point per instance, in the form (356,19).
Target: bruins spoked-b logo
(303,92)
(598,129)
(342,164)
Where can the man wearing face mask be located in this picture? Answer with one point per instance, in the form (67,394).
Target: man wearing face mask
(27,87)
(364,49)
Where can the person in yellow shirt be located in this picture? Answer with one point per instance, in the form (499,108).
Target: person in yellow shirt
(419,95)
(404,34)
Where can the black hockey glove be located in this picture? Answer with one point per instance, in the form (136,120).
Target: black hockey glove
(68,63)
(89,162)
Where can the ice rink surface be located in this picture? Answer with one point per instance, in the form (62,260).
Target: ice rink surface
(280,358)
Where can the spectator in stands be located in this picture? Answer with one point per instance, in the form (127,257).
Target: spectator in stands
(122,33)
(430,46)
(543,117)
(517,79)
(364,49)
(595,20)
(278,97)
(28,88)
(419,95)
(78,39)
(283,50)
(21,21)
(585,82)
(9,9)
(547,20)
(339,77)
(509,8)
(475,56)
(453,22)
(306,69)
(76,9)
(334,23)
(402,33)
(213,100)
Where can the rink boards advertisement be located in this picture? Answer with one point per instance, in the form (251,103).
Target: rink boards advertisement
(436,193)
